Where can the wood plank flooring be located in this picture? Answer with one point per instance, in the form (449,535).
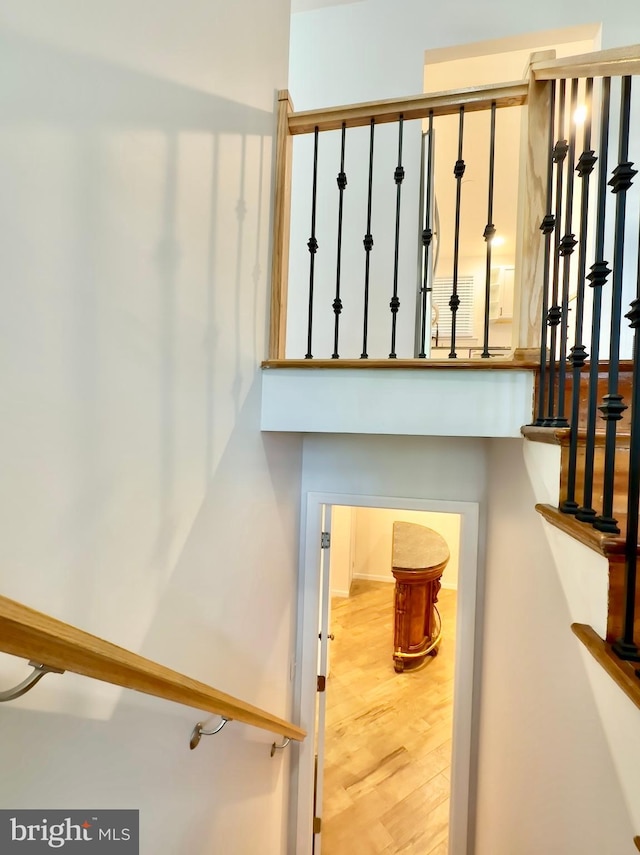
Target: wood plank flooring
(388,735)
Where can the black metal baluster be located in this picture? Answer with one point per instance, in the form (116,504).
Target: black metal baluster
(458,171)
(489,233)
(578,356)
(312,243)
(427,237)
(547,227)
(596,278)
(337,303)
(567,245)
(554,314)
(613,406)
(368,246)
(625,647)
(398,177)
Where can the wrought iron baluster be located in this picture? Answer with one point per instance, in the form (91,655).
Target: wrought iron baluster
(567,245)
(547,227)
(368,246)
(458,171)
(586,163)
(312,243)
(337,303)
(394,305)
(427,238)
(612,405)
(597,278)
(625,646)
(554,314)
(489,232)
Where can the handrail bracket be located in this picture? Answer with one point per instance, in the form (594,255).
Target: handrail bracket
(39,670)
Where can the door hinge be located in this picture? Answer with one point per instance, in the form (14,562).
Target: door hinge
(325,540)
(317,825)
(322,683)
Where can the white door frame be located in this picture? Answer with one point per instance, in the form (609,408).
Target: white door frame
(307,654)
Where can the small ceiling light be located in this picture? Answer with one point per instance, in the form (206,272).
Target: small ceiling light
(497,240)
(580,115)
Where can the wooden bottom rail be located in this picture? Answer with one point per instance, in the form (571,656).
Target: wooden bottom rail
(36,636)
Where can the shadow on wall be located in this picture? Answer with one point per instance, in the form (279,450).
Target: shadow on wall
(135,218)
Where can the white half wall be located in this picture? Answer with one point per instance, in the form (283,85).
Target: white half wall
(434,402)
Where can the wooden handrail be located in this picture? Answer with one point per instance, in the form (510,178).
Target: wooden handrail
(32,635)
(614,62)
(415,107)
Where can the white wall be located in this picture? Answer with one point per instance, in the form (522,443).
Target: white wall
(139,499)
(547,781)
(374,541)
(342,549)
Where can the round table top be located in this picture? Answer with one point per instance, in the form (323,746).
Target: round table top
(416,547)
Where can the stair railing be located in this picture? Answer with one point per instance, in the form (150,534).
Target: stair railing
(350,274)
(56,647)
(595,216)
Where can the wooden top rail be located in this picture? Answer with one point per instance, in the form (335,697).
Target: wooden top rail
(416,107)
(614,62)
(36,636)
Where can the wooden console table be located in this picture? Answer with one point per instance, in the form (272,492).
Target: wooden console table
(418,560)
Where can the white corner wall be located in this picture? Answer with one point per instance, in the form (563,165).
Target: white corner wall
(547,778)
(139,499)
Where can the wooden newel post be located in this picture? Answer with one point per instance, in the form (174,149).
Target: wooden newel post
(281,225)
(532,202)
(418,561)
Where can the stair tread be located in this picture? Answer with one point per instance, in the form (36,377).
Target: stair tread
(561,436)
(602,542)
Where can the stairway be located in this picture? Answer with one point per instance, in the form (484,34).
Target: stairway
(611,546)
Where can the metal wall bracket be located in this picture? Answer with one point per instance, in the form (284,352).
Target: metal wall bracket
(36,675)
(276,747)
(199,732)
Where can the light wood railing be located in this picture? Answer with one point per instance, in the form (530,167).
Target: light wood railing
(32,635)
(533,92)
(291,123)
(614,62)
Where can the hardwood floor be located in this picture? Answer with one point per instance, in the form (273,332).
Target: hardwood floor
(388,735)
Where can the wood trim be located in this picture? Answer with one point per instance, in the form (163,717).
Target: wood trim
(623,673)
(281,229)
(415,107)
(532,203)
(547,435)
(605,544)
(32,635)
(397,364)
(603,63)
(636,840)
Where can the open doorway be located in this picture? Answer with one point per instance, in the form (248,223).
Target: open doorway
(388,735)
(455,777)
